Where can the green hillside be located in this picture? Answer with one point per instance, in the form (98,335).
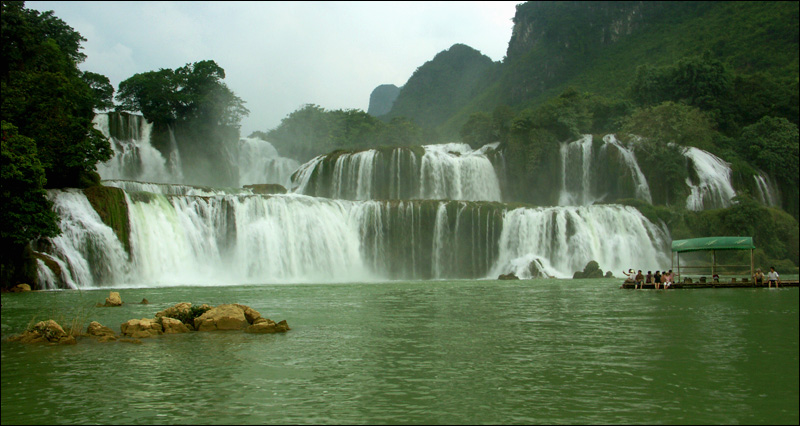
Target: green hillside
(596,47)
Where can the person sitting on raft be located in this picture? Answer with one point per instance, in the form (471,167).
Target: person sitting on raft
(639,280)
(758,277)
(629,275)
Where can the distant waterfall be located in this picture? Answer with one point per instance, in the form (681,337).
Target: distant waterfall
(714,188)
(435,172)
(766,190)
(259,162)
(576,175)
(223,238)
(642,189)
(134,156)
(590,174)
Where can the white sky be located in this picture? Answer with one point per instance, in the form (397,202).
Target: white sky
(279,56)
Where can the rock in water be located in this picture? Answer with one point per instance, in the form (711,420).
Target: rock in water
(113,299)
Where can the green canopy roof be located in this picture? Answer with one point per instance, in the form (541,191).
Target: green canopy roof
(713,243)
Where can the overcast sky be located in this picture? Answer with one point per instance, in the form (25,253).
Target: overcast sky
(279,56)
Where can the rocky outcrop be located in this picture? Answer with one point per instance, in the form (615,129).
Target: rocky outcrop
(266,326)
(508,276)
(173,326)
(266,188)
(222,317)
(45,332)
(20,288)
(142,328)
(113,299)
(381,99)
(181,318)
(100,332)
(592,270)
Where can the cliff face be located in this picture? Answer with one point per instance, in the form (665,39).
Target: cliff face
(573,25)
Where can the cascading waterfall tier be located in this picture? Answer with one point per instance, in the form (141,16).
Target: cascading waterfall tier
(592,172)
(222,238)
(451,171)
(134,157)
(259,162)
(714,188)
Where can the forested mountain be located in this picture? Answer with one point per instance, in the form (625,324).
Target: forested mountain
(597,47)
(382,99)
(440,87)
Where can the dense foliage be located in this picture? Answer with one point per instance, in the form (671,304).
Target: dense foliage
(47,97)
(312,131)
(440,87)
(192,93)
(26,212)
(48,139)
(194,111)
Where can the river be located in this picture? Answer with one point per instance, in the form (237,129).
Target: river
(419,352)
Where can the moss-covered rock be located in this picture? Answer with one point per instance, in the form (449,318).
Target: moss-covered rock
(110,204)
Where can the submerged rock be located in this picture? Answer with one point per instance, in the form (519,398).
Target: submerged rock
(508,276)
(264,325)
(266,188)
(100,332)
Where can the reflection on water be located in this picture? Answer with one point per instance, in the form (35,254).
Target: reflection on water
(543,351)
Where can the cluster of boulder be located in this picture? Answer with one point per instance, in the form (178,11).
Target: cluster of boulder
(181,318)
(592,270)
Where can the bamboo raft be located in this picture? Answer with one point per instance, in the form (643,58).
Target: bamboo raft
(709,284)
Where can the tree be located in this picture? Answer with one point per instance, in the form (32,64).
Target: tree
(192,93)
(26,211)
(479,130)
(772,145)
(45,97)
(672,122)
(102,90)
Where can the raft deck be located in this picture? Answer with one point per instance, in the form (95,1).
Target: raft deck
(721,284)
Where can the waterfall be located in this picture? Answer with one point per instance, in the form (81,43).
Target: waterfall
(576,176)
(87,250)
(766,191)
(642,189)
(451,171)
(259,162)
(454,171)
(228,237)
(562,240)
(714,189)
(134,157)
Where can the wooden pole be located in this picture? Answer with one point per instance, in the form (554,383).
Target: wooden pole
(679,265)
(752,271)
(713,264)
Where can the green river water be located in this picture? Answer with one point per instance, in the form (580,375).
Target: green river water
(435,352)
